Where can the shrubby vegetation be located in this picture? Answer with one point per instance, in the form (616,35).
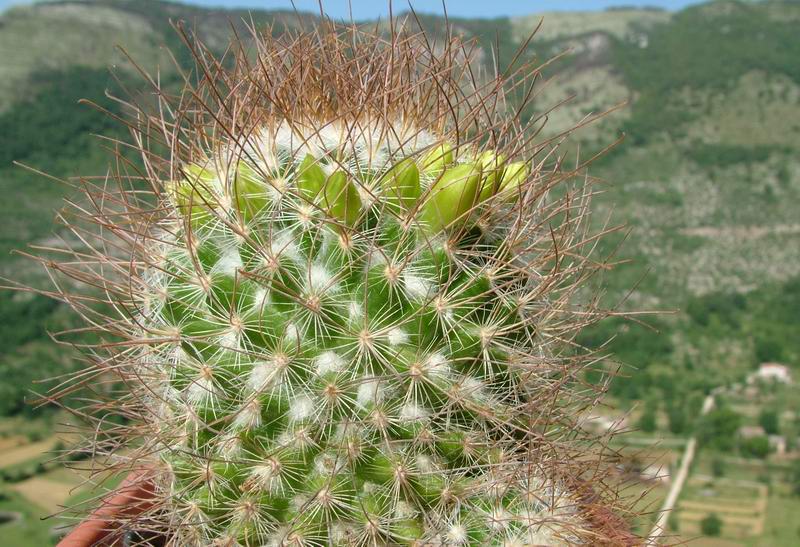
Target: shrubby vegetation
(794,477)
(718,428)
(768,419)
(52,133)
(654,366)
(28,356)
(725,155)
(648,420)
(769,317)
(23,318)
(677,416)
(711,525)
(703,47)
(755,447)
(52,130)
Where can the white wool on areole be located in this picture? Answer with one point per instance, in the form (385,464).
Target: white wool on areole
(360,144)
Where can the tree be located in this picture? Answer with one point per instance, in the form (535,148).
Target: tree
(755,447)
(718,467)
(677,417)
(769,349)
(711,525)
(794,477)
(647,421)
(768,419)
(718,428)
(694,404)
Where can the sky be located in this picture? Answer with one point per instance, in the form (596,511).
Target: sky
(368,9)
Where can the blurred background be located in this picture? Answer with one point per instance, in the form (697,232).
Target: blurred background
(707,182)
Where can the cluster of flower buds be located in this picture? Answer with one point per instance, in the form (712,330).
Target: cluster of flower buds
(437,187)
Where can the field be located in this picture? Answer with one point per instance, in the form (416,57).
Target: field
(25,452)
(753,501)
(50,491)
(34,489)
(27,530)
(740,504)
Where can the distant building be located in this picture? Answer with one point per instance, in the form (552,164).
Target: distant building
(771,372)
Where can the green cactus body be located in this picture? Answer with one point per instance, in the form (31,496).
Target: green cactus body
(345,313)
(345,339)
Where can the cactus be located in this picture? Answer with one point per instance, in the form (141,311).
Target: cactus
(348,315)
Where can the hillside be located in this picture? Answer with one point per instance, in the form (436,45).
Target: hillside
(707,178)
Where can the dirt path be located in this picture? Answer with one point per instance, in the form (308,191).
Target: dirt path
(677,482)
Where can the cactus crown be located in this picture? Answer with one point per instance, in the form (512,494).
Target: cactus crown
(347,317)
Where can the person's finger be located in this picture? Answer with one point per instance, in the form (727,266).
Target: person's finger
(132,497)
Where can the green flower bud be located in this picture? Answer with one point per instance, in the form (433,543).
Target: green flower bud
(249,191)
(493,167)
(310,177)
(438,159)
(192,195)
(514,175)
(453,194)
(401,183)
(341,198)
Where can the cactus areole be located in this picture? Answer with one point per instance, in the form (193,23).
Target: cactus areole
(345,313)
